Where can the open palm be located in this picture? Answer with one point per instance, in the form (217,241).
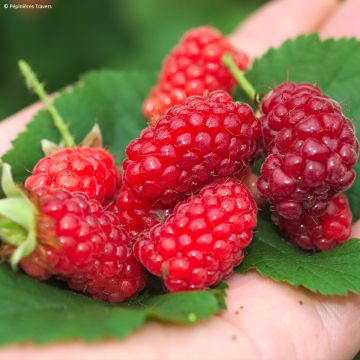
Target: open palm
(264,319)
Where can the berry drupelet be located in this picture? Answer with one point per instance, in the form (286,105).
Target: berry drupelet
(135,214)
(202,240)
(193,67)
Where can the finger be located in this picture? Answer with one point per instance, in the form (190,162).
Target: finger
(280,20)
(308,326)
(15,124)
(344,22)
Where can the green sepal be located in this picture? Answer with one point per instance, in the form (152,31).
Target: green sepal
(94,138)
(49,147)
(7,182)
(25,249)
(17,218)
(12,232)
(18,210)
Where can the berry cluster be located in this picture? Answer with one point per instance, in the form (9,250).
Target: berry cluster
(311,151)
(179,209)
(193,67)
(192,145)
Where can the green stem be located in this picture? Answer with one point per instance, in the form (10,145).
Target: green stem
(240,77)
(33,83)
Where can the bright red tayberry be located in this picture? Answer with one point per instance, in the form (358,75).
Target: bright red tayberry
(312,150)
(193,144)
(193,67)
(135,214)
(202,240)
(320,233)
(84,245)
(90,170)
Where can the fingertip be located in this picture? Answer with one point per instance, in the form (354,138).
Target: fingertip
(356,230)
(279,20)
(344,22)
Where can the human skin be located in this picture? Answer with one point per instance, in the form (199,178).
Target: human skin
(264,319)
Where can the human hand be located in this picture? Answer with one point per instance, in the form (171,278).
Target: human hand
(264,319)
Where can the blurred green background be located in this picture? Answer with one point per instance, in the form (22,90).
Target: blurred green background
(77,35)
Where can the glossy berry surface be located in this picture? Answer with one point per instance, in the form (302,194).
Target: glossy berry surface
(84,245)
(312,150)
(90,170)
(202,240)
(193,67)
(134,213)
(195,143)
(320,233)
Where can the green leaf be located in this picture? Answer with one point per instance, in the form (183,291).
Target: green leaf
(110,98)
(334,272)
(113,100)
(28,307)
(332,64)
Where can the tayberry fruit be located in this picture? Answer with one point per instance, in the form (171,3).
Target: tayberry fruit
(311,147)
(202,240)
(323,232)
(193,67)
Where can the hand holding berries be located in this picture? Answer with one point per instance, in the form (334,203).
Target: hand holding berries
(175,211)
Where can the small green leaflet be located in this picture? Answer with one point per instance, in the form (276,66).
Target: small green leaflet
(335,272)
(334,65)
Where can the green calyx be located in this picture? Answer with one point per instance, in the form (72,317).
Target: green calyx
(17,218)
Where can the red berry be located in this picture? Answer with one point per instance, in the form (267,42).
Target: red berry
(193,67)
(192,145)
(312,147)
(134,214)
(84,245)
(202,240)
(90,170)
(320,233)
